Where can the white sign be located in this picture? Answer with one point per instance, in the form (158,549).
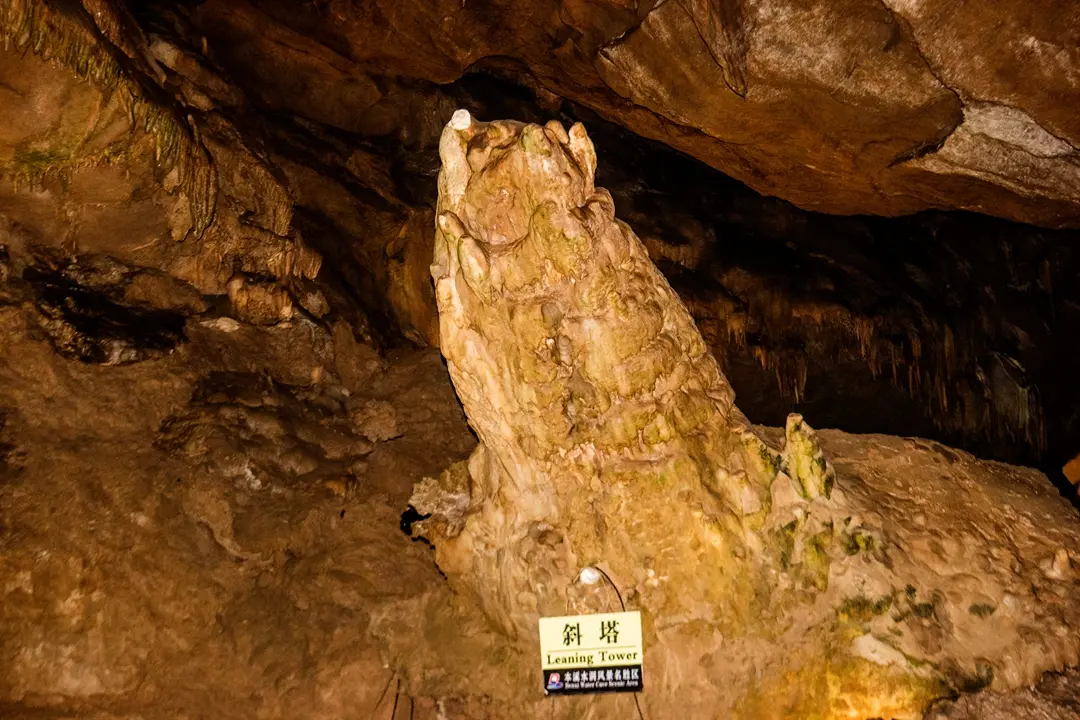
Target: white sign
(591,653)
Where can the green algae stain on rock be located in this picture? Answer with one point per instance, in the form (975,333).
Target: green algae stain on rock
(862,609)
(804,461)
(814,569)
(833,687)
(35,161)
(855,542)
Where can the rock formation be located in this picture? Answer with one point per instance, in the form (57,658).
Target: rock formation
(860,106)
(188,199)
(967,315)
(216,231)
(770,585)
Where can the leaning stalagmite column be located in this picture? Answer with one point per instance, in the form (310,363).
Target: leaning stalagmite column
(611,444)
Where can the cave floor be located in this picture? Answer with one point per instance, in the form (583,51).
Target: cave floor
(184,537)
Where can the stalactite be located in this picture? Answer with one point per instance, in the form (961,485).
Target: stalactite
(32,26)
(932,361)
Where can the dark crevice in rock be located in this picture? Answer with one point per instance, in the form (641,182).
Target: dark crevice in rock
(9,453)
(324,149)
(720,25)
(351,287)
(930,146)
(933,144)
(85,323)
(629,29)
(410,516)
(909,34)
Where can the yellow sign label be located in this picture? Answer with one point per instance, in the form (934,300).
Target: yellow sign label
(591,641)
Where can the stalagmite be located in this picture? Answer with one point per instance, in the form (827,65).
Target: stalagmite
(770,585)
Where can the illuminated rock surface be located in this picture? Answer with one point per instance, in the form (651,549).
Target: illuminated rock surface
(767,578)
(1072,470)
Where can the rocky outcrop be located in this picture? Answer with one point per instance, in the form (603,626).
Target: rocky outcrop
(213,532)
(111,168)
(610,440)
(856,107)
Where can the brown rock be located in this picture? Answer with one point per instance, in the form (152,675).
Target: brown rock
(850,107)
(163,291)
(375,420)
(259,303)
(1072,470)
(409,290)
(1053,698)
(356,363)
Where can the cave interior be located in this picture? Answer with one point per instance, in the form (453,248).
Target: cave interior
(220,374)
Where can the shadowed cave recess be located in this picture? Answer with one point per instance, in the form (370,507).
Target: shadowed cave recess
(221,381)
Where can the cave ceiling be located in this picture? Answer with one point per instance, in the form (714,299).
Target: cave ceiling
(860,106)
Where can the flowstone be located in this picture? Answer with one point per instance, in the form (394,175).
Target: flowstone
(769,584)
